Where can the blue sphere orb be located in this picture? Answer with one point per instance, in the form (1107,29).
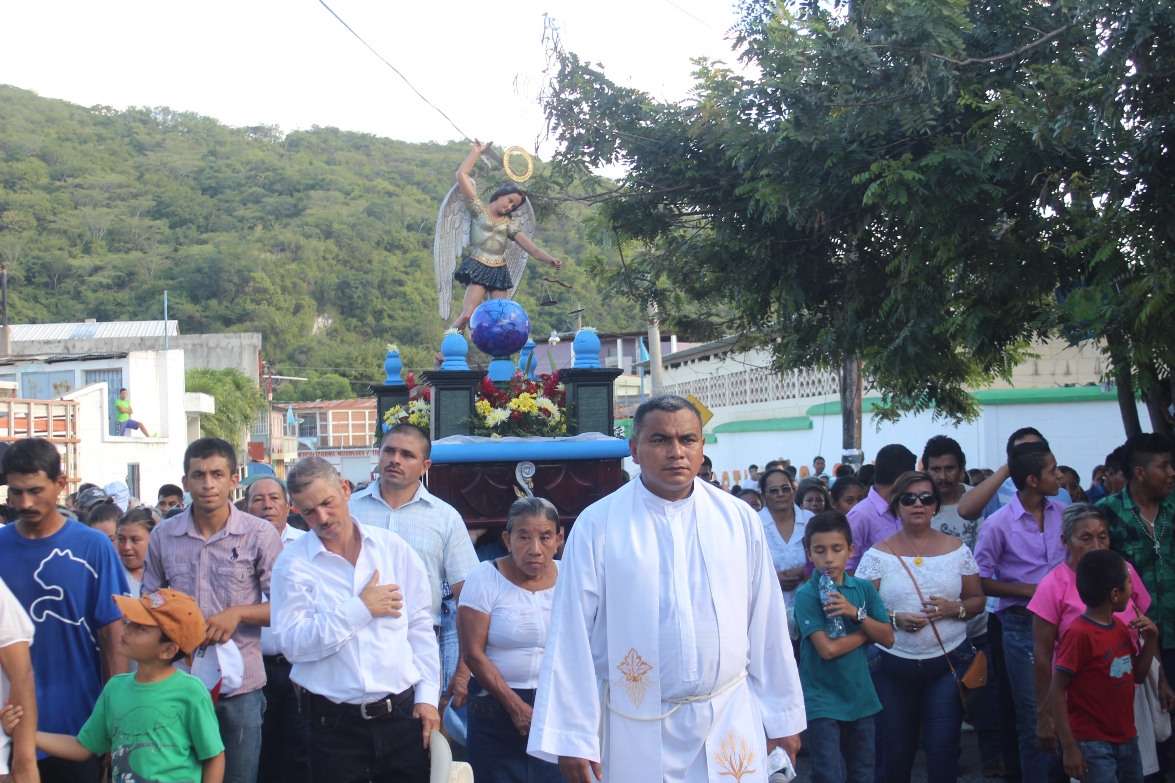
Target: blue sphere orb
(499,327)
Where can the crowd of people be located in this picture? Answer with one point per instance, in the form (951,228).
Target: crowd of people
(312,630)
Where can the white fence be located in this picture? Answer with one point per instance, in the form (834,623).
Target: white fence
(757,384)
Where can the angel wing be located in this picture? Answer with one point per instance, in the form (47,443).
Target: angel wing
(516,257)
(451,238)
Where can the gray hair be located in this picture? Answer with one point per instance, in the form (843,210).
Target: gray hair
(531,507)
(666,403)
(1079,512)
(306,470)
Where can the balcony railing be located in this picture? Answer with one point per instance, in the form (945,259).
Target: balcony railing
(745,387)
(54,420)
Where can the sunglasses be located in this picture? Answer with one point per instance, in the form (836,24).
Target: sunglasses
(780,491)
(910,498)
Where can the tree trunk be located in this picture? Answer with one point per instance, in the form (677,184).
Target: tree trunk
(1127,405)
(1158,401)
(850,409)
(656,373)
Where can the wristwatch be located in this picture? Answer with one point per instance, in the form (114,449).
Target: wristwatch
(962,611)
(861,614)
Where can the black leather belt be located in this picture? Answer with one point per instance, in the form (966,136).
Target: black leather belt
(312,705)
(279,659)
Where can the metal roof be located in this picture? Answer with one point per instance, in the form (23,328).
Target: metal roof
(88,331)
(360,403)
(7,361)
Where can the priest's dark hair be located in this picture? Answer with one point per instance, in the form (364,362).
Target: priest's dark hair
(666,403)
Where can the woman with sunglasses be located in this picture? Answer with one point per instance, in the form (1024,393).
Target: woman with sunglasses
(933,587)
(783,524)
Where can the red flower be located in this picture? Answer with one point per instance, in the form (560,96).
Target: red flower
(516,416)
(410,381)
(427,394)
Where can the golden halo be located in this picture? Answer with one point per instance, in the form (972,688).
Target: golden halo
(510,172)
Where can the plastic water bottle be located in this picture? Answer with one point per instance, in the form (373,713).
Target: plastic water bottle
(836,625)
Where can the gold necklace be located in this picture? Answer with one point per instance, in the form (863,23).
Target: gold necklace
(917,556)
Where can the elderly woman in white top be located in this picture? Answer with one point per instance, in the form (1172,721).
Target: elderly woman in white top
(914,679)
(502,622)
(783,525)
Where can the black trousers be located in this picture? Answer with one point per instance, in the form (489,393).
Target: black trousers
(383,750)
(55,770)
(285,734)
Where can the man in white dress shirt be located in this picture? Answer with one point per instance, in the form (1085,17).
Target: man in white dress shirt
(369,671)
(285,733)
(669,623)
(398,501)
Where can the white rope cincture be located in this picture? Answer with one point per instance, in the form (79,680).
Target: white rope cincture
(677,705)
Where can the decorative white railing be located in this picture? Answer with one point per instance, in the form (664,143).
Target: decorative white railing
(755,384)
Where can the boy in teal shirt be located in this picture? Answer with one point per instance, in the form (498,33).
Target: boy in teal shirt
(158,724)
(834,673)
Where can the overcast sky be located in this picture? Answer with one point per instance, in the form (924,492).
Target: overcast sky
(290,63)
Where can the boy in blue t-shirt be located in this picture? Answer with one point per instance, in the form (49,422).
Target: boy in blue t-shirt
(63,574)
(834,673)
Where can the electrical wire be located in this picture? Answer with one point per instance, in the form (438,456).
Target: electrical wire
(687,13)
(464,135)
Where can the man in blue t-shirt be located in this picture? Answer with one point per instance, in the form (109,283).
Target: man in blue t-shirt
(64,574)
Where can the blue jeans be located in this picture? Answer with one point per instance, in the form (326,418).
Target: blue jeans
(1018,660)
(241,718)
(920,700)
(497,752)
(842,750)
(985,711)
(447,639)
(1111,762)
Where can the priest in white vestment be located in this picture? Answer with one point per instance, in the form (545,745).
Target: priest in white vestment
(668,656)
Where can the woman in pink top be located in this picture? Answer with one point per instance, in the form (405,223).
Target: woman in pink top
(1056,604)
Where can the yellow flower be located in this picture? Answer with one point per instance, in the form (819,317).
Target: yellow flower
(496,417)
(483,407)
(547,405)
(392,416)
(524,402)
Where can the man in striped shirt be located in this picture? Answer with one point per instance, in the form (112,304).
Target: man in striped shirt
(397,501)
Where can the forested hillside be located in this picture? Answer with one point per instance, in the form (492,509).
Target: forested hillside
(321,240)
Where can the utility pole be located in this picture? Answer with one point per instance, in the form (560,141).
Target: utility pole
(5,330)
(850,411)
(656,372)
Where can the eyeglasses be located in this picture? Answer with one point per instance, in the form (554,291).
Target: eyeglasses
(910,498)
(779,491)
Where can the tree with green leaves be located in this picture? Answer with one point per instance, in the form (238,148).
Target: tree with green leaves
(898,185)
(238,402)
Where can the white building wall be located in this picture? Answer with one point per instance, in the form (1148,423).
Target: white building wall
(1081,435)
(155,380)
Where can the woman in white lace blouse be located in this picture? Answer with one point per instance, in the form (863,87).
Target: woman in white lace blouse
(919,697)
(502,623)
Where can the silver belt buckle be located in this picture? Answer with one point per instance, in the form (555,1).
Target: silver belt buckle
(363,708)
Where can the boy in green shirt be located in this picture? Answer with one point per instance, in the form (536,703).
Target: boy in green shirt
(124,420)
(834,673)
(158,724)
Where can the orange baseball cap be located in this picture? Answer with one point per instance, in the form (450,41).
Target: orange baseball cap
(173,612)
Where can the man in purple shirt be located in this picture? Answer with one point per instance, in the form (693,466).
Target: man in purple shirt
(223,558)
(1017,546)
(870,519)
